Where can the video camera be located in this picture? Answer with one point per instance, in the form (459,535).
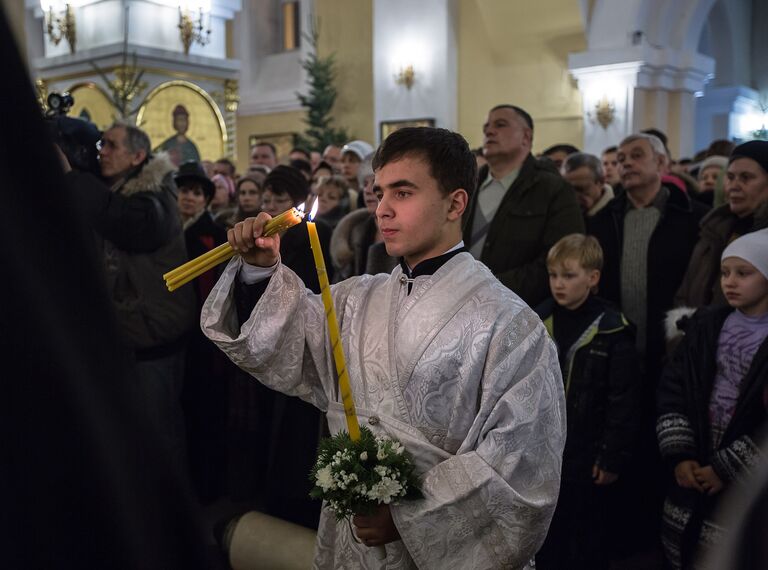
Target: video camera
(76,138)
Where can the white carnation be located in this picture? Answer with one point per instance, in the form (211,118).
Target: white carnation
(324,478)
(364,456)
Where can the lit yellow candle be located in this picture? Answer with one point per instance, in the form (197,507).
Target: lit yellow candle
(333,331)
(284,221)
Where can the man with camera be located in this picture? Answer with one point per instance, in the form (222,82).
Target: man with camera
(133,210)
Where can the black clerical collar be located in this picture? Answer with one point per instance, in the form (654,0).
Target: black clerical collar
(429,266)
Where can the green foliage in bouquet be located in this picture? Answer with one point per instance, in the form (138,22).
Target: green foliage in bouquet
(354,477)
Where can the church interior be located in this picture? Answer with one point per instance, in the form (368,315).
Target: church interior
(213,79)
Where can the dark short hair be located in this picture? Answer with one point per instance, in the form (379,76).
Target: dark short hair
(701,155)
(450,160)
(322,165)
(230,165)
(566,148)
(303,151)
(302,166)
(611,149)
(287,180)
(720,147)
(247,178)
(520,111)
(272,147)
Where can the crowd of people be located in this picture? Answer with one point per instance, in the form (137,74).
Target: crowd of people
(650,275)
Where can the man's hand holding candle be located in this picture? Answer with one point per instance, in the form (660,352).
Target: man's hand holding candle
(376,529)
(247,240)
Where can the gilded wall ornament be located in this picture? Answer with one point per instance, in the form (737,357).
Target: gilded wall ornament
(605,111)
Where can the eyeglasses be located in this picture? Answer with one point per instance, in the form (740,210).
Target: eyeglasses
(100,144)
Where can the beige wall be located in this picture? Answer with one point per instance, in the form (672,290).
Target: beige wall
(507,53)
(271,124)
(510,52)
(346,28)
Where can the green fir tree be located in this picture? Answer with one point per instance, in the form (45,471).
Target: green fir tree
(319,101)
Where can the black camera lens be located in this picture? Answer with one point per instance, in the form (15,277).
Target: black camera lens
(60,101)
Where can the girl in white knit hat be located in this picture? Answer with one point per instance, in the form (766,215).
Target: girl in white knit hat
(712,401)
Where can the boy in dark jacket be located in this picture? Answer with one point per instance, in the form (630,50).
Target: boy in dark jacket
(712,401)
(599,364)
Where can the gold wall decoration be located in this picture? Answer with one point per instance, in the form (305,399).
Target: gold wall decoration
(184,120)
(231,95)
(605,112)
(60,25)
(406,77)
(41,87)
(92,103)
(192,28)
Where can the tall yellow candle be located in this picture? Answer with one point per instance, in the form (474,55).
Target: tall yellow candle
(333,331)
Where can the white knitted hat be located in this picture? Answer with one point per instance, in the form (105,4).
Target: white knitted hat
(359,148)
(753,248)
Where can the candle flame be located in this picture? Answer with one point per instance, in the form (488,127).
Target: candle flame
(314,210)
(300,207)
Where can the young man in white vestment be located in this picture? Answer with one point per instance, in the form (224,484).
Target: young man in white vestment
(440,355)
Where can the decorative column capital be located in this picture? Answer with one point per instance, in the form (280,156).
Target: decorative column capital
(646,67)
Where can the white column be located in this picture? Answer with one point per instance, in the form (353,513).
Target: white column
(612,88)
(419,34)
(646,87)
(727,112)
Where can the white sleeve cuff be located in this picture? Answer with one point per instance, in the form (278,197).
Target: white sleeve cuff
(252,274)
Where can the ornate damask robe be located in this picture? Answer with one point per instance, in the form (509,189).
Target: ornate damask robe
(460,370)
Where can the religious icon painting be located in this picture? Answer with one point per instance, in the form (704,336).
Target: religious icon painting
(92,104)
(183,120)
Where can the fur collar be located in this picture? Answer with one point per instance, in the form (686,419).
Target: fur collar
(150,177)
(672,322)
(607,196)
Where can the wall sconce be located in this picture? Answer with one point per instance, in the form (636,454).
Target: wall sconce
(406,77)
(59,23)
(605,111)
(191,25)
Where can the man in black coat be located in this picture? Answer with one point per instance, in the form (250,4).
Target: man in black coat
(134,213)
(522,206)
(647,235)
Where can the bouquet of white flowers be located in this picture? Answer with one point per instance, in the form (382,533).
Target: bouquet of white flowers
(354,477)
